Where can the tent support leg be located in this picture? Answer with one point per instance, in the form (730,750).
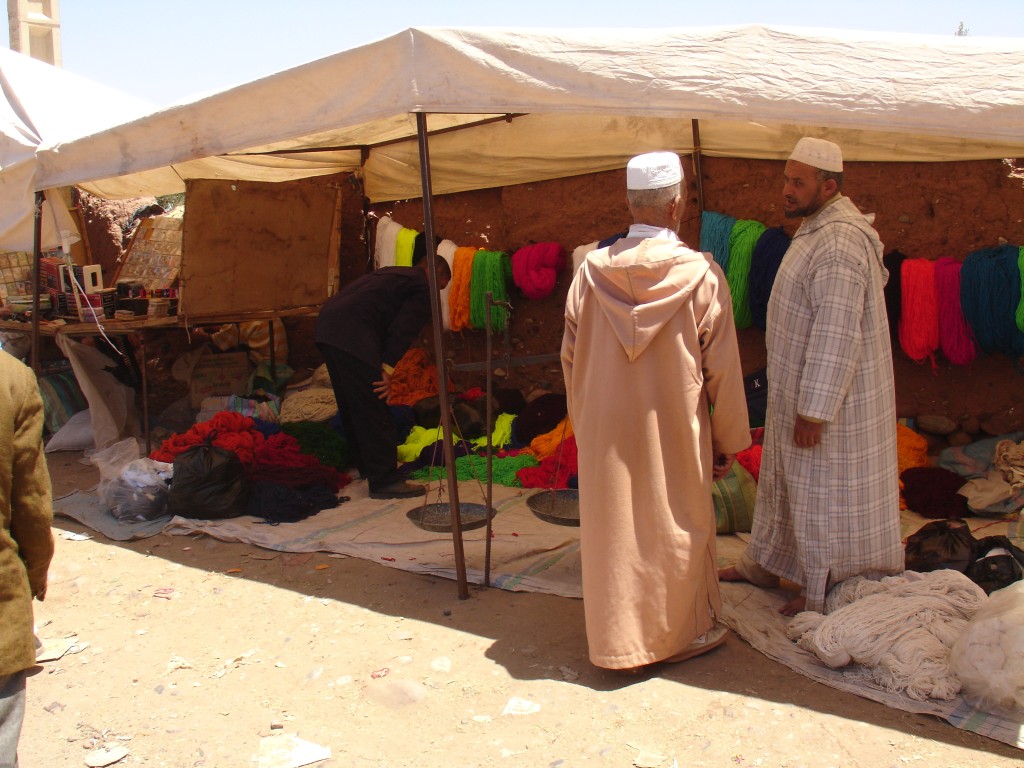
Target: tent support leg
(439,358)
(37,254)
(697,171)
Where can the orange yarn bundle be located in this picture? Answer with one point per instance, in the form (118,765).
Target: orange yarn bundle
(458,289)
(415,378)
(919,321)
(911,451)
(545,445)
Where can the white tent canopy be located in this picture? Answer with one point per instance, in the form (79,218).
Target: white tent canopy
(509,106)
(43,104)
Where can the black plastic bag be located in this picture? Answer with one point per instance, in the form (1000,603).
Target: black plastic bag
(209,483)
(940,544)
(992,569)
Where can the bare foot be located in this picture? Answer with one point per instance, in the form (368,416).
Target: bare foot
(794,606)
(730,574)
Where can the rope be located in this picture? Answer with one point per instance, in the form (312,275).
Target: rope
(458,295)
(954,335)
(742,240)
(764,265)
(715,229)
(990,294)
(488,276)
(919,325)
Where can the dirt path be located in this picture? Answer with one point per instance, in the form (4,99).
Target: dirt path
(190,652)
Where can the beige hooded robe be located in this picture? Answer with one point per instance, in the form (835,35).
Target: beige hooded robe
(649,348)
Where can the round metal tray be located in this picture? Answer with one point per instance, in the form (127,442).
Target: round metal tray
(561,507)
(438,517)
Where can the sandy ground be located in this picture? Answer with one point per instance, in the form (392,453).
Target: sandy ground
(188,651)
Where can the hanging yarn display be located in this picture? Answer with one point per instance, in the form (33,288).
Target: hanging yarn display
(771,246)
(954,335)
(715,230)
(1020,304)
(458,296)
(535,269)
(919,324)
(446,250)
(742,239)
(990,294)
(893,263)
(384,242)
(405,243)
(489,276)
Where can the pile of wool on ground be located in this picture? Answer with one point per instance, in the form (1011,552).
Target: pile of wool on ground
(988,657)
(900,630)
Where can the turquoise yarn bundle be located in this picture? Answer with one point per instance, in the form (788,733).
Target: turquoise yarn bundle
(715,230)
(990,294)
(742,239)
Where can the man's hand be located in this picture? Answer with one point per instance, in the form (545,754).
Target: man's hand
(807,434)
(722,465)
(383,387)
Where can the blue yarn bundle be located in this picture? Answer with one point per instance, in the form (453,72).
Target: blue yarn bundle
(989,295)
(742,239)
(764,265)
(715,229)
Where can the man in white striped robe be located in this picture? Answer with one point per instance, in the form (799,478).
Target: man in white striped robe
(828,494)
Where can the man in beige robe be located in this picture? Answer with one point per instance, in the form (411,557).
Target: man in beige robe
(655,393)
(828,492)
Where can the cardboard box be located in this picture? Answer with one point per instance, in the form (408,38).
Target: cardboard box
(219,374)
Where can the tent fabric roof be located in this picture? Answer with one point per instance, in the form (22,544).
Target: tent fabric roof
(40,104)
(576,101)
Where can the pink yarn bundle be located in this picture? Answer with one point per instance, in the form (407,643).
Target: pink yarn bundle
(919,321)
(954,334)
(535,268)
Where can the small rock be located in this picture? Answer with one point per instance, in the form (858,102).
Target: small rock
(960,438)
(971,425)
(105,756)
(936,424)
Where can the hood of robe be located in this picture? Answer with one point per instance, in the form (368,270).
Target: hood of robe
(844,211)
(640,284)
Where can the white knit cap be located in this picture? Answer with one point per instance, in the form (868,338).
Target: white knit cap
(654,170)
(818,153)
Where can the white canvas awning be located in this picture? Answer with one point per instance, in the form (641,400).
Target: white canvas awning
(509,106)
(41,104)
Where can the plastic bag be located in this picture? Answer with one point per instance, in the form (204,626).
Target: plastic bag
(209,483)
(988,657)
(940,544)
(131,488)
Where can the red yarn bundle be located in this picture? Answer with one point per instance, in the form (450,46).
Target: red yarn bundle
(231,431)
(954,334)
(535,268)
(919,322)
(555,470)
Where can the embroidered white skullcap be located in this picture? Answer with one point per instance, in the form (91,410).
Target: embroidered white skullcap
(654,170)
(818,153)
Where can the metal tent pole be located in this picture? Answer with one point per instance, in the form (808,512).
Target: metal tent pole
(37,254)
(439,357)
(695,125)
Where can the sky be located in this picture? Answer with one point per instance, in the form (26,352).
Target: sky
(164,52)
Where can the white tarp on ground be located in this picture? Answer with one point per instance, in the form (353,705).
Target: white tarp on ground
(41,104)
(578,101)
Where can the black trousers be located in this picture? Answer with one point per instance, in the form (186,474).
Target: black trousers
(369,428)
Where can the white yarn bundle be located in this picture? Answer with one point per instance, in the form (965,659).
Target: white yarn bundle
(900,629)
(988,657)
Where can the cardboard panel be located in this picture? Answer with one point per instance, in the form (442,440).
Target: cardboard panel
(255,246)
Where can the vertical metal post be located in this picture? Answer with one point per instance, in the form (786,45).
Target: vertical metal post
(439,358)
(490,446)
(37,254)
(697,166)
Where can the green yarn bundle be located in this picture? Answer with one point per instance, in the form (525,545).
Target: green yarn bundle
(491,272)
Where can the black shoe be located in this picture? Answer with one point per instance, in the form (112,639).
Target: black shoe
(398,490)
